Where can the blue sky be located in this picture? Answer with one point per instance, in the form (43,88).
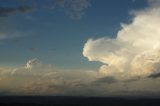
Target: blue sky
(55,37)
(80,47)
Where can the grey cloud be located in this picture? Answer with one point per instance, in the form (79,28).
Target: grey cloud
(37,78)
(7,33)
(49,82)
(73,8)
(60,3)
(76,8)
(154,3)
(6,11)
(32,49)
(108,80)
(133,79)
(56,86)
(7,30)
(157,75)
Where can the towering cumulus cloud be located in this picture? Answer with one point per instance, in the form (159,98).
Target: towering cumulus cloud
(136,49)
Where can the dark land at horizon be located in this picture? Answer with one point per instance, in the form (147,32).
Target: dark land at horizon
(77,101)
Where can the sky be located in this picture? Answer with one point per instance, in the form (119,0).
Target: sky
(80,47)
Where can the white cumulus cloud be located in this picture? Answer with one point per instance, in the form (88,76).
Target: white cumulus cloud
(136,49)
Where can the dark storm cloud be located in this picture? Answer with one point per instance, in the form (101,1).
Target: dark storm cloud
(157,75)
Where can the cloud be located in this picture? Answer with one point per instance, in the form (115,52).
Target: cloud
(108,80)
(133,79)
(33,63)
(73,8)
(154,3)
(157,75)
(136,49)
(60,3)
(45,79)
(131,63)
(6,11)
(4,35)
(76,8)
(9,31)
(38,78)
(34,67)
